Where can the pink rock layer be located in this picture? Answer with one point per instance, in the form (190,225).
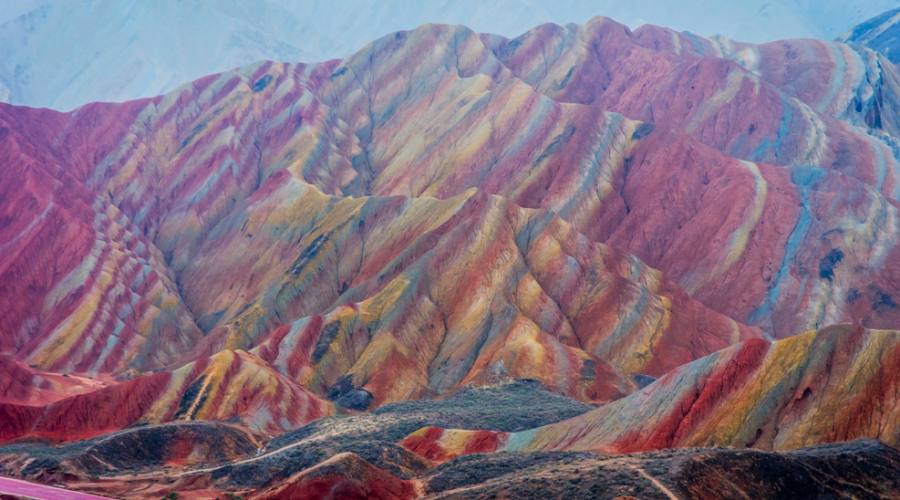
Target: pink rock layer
(837,384)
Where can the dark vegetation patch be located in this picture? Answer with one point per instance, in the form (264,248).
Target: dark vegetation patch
(208,321)
(329,332)
(509,48)
(643,380)
(829,262)
(194,131)
(136,449)
(555,144)
(187,399)
(510,407)
(262,83)
(338,72)
(474,469)
(566,79)
(882,301)
(643,130)
(149,446)
(307,254)
(859,469)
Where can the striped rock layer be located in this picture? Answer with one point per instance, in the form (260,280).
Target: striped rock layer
(837,384)
(232,385)
(578,205)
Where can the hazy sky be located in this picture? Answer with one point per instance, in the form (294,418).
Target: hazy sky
(64,53)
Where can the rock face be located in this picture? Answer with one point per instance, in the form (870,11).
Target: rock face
(378,273)
(629,219)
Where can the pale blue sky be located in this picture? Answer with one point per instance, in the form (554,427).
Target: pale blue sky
(63,53)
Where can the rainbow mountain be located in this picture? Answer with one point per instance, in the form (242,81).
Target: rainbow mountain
(649,223)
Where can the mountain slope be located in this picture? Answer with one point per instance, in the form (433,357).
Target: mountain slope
(789,248)
(833,385)
(227,205)
(849,469)
(585,206)
(81,288)
(245,202)
(232,385)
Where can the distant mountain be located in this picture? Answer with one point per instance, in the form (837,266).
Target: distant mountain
(65,54)
(881,33)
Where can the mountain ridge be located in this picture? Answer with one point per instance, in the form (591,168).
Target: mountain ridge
(129,58)
(445,210)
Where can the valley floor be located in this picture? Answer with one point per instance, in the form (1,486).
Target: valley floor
(363,456)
